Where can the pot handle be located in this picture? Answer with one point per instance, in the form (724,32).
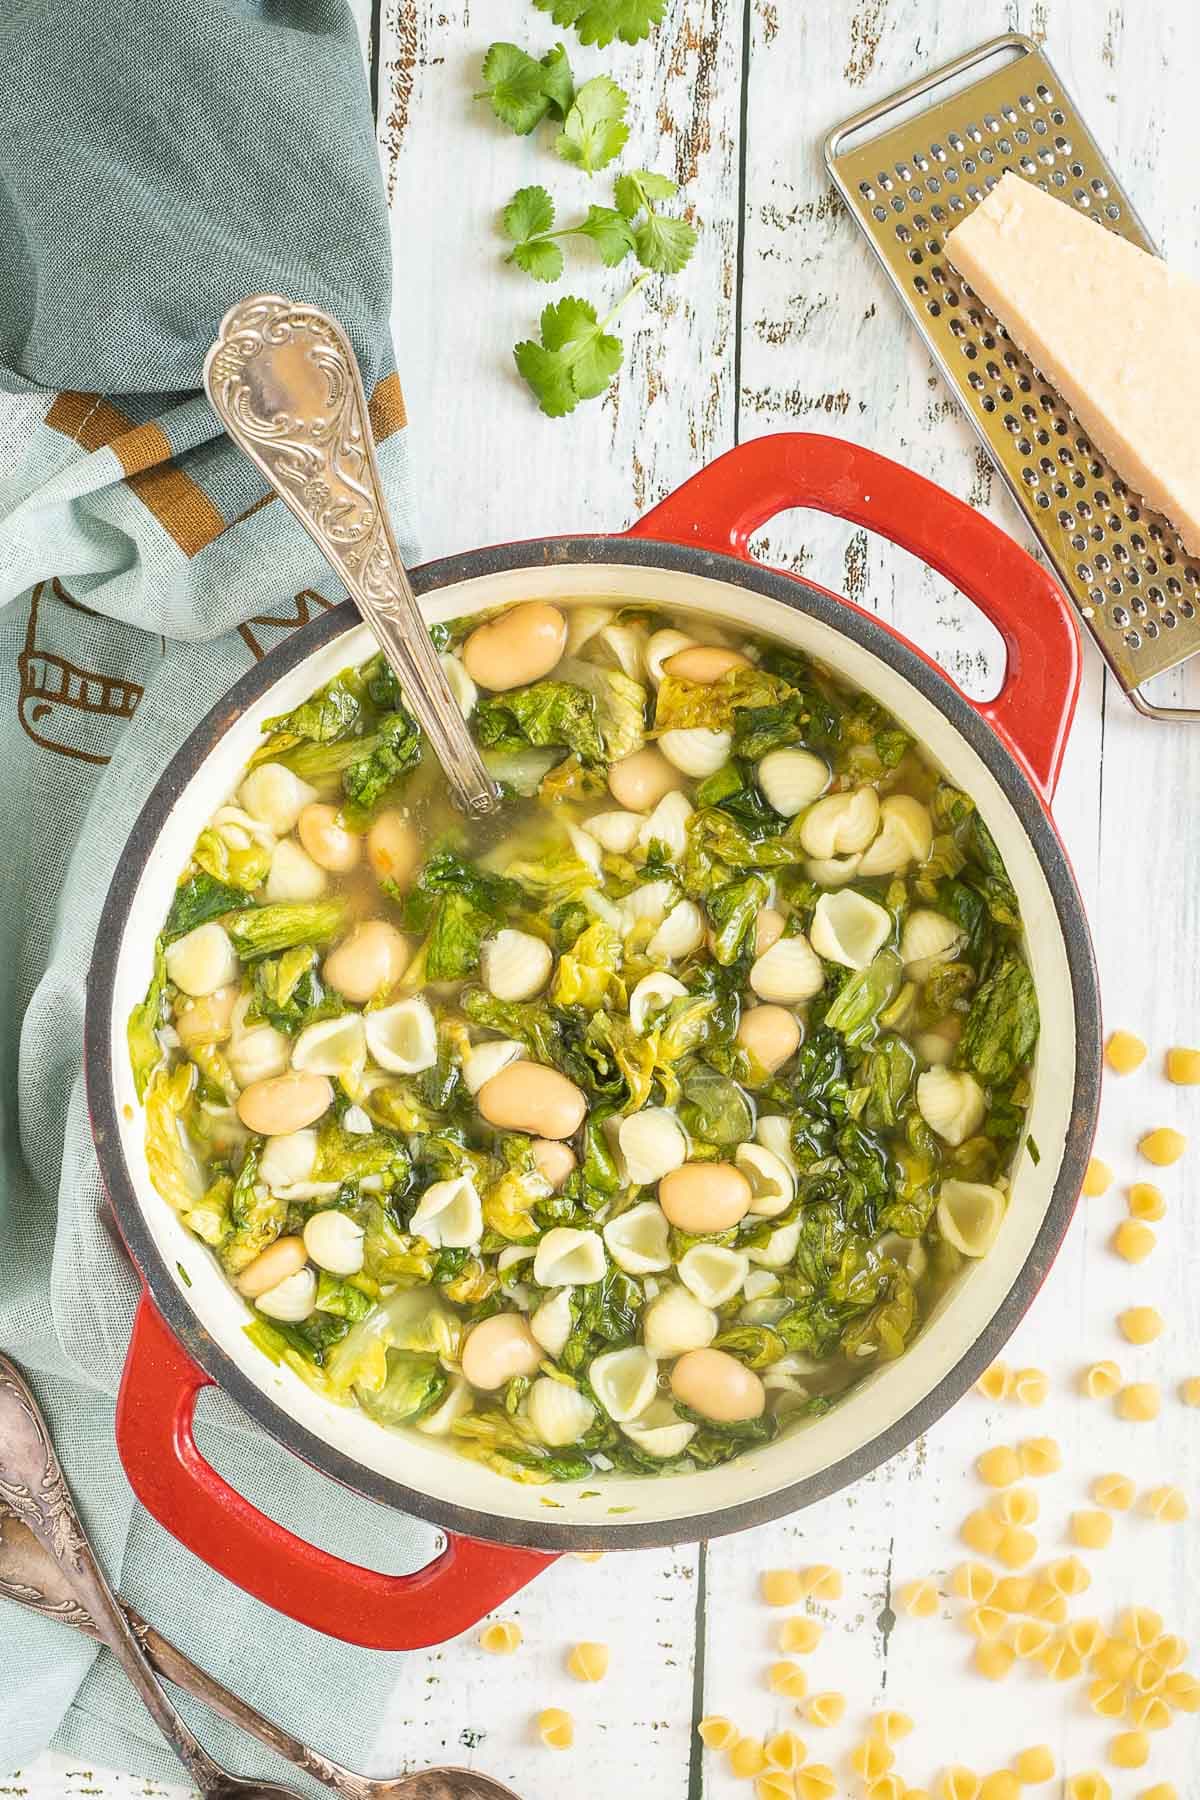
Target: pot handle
(722,506)
(155,1413)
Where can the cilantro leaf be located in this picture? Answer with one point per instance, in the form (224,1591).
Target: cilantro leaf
(514,82)
(558,83)
(609,231)
(539,258)
(528,214)
(577,357)
(664,244)
(600,21)
(594,130)
(639,188)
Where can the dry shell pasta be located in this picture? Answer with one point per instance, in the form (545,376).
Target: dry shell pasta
(506,1130)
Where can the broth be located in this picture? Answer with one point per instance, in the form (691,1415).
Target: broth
(631,1125)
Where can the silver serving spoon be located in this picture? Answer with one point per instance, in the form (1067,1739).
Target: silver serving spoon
(64,1581)
(286,386)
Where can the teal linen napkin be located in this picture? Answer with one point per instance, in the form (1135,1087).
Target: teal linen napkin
(156,165)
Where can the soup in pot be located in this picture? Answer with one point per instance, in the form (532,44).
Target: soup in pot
(631,1125)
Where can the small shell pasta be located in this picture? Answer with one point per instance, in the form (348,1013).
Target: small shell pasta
(821,1582)
(1089,1784)
(774,1784)
(1013,1592)
(784,1750)
(652,994)
(1183,1067)
(999,1467)
(790,780)
(1091,1530)
(800,1635)
(449,1214)
(567,1257)
(637,1240)
(515,965)
(826,1709)
(958,1783)
(1087,1636)
(841,824)
(1100,1380)
(1018,1506)
(1001,1784)
(1031,1638)
(905,837)
(982,1532)
(1040,1456)
(660,1431)
(919,1599)
(975,1582)
(1139,1402)
(1107,1698)
(872,1758)
(624,1382)
(951,1103)
(788,1680)
(996,1382)
(969,1213)
(204,960)
(1163,1146)
(674,1322)
(402,1038)
(1133,1240)
(695,750)
(1097,1178)
(713,1273)
(588,1662)
(558,1413)
(667,825)
(501,1637)
(1129,1750)
(1145,1202)
(1116,1492)
(928,938)
(1167,1504)
(556,1728)
(1068,1576)
(849,929)
(771,1180)
(653,1142)
(789,972)
(780,1587)
(1124,1052)
(1016,1547)
(717,1733)
(681,932)
(816,1781)
(747,1758)
(1035,1765)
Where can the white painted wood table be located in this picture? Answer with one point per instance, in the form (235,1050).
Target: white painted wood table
(783,322)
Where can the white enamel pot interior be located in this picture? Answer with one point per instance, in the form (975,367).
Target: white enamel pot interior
(893,1403)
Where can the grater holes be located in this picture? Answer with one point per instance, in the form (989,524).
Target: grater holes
(1174,586)
(915,256)
(1078,542)
(1077,170)
(1042,501)
(1098,188)
(1044,94)
(1187,609)
(974,133)
(1151,629)
(957,203)
(1102,562)
(1168,619)
(1081,200)
(955,142)
(1021,135)
(987,155)
(904,234)
(1192,574)
(1039,125)
(879,213)
(1133,639)
(1116,586)
(1112,210)
(1138,605)
(937,214)
(1061,492)
(937,151)
(903,171)
(974,378)
(866,190)
(1027,104)
(897,203)
(933,308)
(1042,437)
(1046,158)
(1028,166)
(959,330)
(1119,616)
(1004,146)
(1030,477)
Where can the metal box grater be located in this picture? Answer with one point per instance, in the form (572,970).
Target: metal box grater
(1136,588)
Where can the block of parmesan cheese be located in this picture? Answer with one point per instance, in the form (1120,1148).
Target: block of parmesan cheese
(1113,329)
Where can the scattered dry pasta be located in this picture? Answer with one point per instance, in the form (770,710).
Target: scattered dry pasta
(1114,1491)
(1031,1386)
(987,1621)
(1163,1146)
(1034,1765)
(993,1658)
(788,1679)
(1133,1240)
(1145,1201)
(1031,1637)
(1019,1506)
(717,1732)
(1162,1790)
(501,1637)
(1170,1650)
(1040,1456)
(1150,1712)
(1016,1547)
(1124,1052)
(1107,1698)
(1141,1324)
(799,1634)
(588,1662)
(1115,1660)
(826,1709)
(821,1582)
(1139,1402)
(1148,1676)
(774,1784)
(1091,1530)
(1129,1750)
(1182,1691)
(919,1599)
(1068,1576)
(887,1787)
(1097,1178)
(1087,1636)
(816,1781)
(556,1728)
(959,1783)
(1001,1784)
(1166,1504)
(1140,1625)
(1013,1592)
(747,1758)
(872,1758)
(996,1383)
(1183,1067)
(999,1467)
(1100,1380)
(780,1587)
(1060,1661)
(784,1750)
(892,1726)
(973,1581)
(1089,1784)
(1189,1391)
(982,1532)
(1046,1602)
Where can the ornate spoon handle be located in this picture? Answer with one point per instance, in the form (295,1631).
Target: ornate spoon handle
(32,1485)
(286,386)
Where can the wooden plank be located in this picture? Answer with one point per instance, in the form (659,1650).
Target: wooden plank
(491,466)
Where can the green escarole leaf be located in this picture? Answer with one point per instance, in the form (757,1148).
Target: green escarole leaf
(199,898)
(546,713)
(282,925)
(1001,1028)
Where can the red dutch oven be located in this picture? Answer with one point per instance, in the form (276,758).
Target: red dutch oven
(690,554)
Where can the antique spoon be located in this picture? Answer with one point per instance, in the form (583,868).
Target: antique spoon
(286,386)
(64,1581)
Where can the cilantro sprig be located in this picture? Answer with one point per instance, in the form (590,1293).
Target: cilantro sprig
(524,90)
(600,21)
(594,130)
(577,356)
(661,243)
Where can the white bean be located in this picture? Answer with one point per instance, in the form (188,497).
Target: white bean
(716,1384)
(522,645)
(286,1256)
(256,1052)
(285,1103)
(771,1034)
(326,839)
(497,1349)
(704,663)
(703,1197)
(368,962)
(638,782)
(554,1162)
(394,849)
(526,1096)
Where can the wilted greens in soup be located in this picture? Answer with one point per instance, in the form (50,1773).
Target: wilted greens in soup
(632,1125)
